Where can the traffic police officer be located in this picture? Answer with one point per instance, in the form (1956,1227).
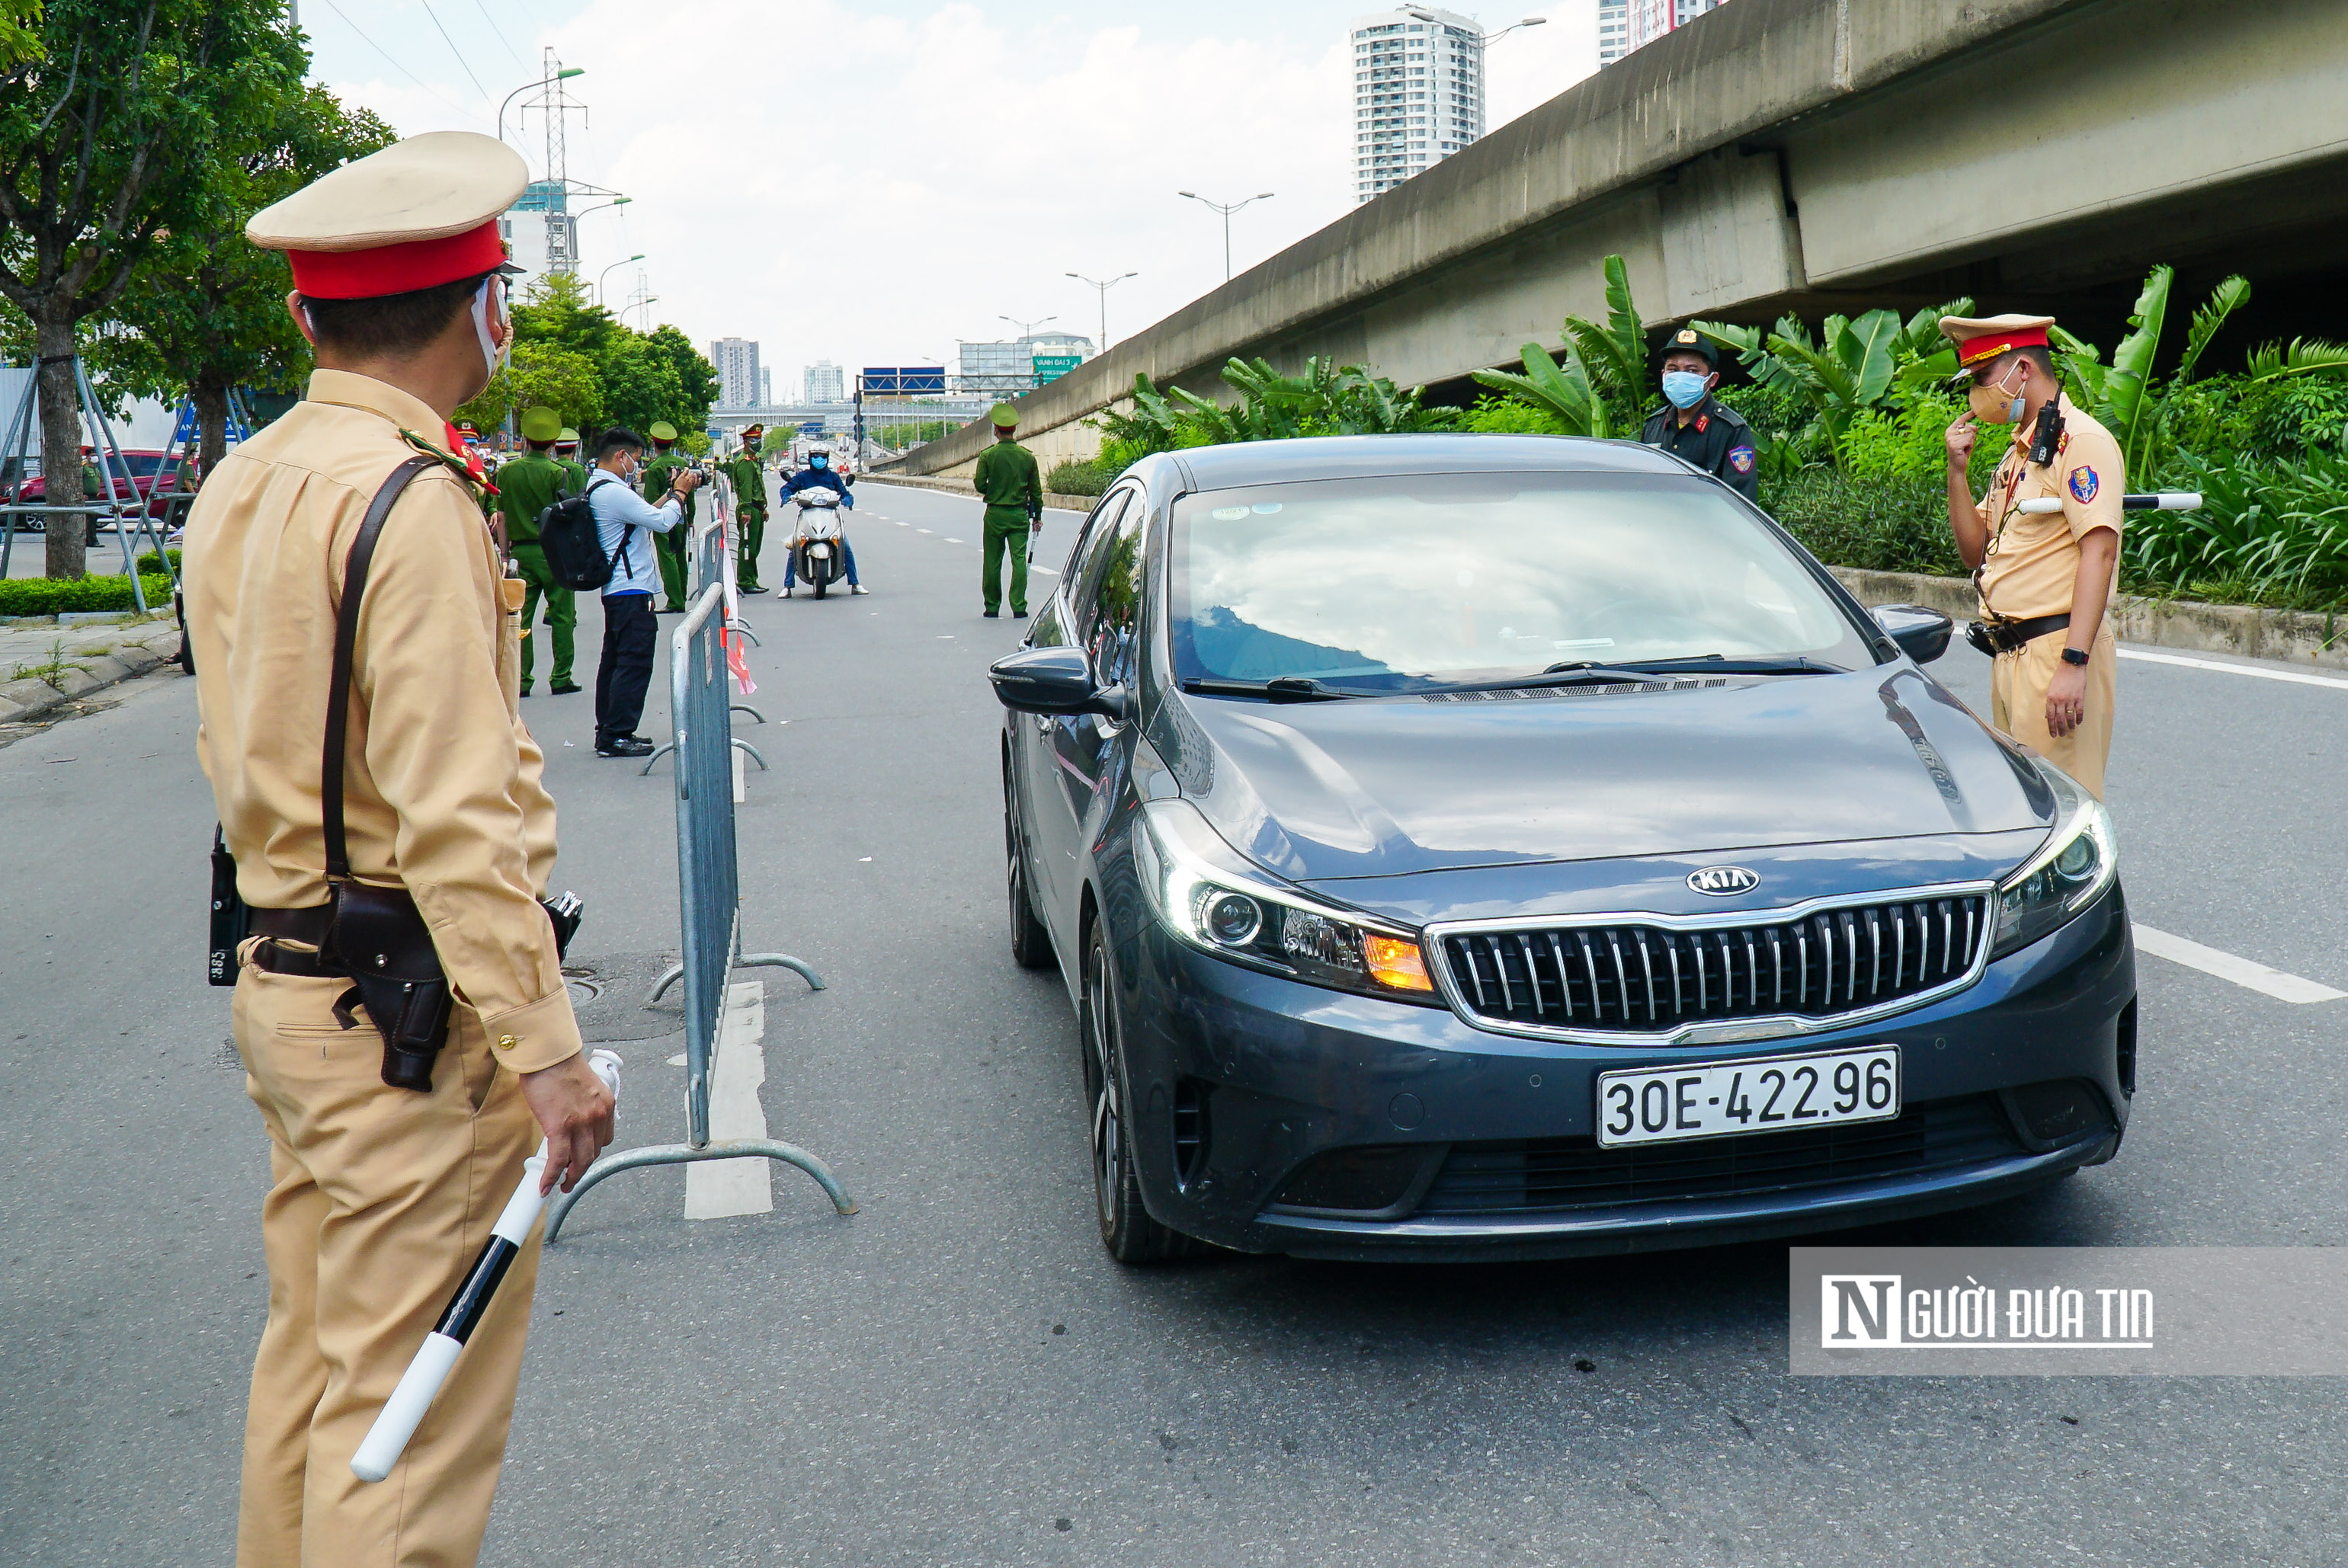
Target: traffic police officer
(380,1196)
(526,485)
(668,547)
(566,458)
(2045,579)
(1012,485)
(1694,425)
(749,473)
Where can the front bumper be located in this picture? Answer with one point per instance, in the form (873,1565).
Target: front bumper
(1262,1075)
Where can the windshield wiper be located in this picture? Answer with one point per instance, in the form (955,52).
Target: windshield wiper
(1279,689)
(1720,664)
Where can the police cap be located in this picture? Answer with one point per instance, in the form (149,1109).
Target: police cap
(566,436)
(1687,339)
(1981,340)
(662,431)
(420,213)
(541,425)
(1005,416)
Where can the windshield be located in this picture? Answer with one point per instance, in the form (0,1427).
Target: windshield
(1400,583)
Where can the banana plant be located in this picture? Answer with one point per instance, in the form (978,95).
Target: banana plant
(1614,353)
(2300,356)
(1565,390)
(2123,396)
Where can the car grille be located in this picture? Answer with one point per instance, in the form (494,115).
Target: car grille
(1641,978)
(1551,1175)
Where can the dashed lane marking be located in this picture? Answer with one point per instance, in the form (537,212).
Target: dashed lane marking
(2294,676)
(714,1189)
(2227,966)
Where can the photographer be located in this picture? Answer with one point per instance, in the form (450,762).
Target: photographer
(629,635)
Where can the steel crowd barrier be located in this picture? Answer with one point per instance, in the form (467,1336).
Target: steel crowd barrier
(709,885)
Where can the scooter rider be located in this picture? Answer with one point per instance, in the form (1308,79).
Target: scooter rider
(819,471)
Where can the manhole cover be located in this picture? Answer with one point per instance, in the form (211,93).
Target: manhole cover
(582,990)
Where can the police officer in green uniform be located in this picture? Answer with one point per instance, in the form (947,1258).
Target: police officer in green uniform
(566,458)
(669,547)
(1694,425)
(1012,485)
(749,473)
(526,485)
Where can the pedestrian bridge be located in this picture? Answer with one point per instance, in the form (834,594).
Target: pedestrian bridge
(1817,156)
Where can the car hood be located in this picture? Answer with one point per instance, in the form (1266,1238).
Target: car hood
(1392,786)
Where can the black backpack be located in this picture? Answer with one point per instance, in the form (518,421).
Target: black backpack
(573,546)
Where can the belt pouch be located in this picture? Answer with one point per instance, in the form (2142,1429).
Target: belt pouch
(380,937)
(232,920)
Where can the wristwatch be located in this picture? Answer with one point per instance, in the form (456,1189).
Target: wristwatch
(2074,656)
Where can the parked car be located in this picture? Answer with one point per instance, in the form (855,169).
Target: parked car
(153,475)
(1481,846)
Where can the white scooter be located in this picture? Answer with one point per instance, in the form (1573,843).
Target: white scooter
(818,551)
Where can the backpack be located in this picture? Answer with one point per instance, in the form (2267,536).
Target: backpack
(573,546)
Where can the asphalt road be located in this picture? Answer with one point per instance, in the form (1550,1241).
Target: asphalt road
(959,1374)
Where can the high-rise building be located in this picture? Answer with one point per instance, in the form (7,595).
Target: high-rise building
(1418,93)
(825,383)
(1627,25)
(765,386)
(736,360)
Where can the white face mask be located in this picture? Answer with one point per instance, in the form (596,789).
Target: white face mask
(493,354)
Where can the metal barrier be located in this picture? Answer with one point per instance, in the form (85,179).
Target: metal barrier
(710,894)
(133,519)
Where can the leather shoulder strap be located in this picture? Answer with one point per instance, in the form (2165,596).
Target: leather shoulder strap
(346,637)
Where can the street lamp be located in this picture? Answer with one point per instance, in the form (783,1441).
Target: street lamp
(1226,211)
(615,202)
(1104,288)
(562,75)
(607,272)
(1528,22)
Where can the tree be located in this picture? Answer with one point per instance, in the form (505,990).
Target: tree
(639,382)
(210,304)
(696,378)
(541,373)
(108,136)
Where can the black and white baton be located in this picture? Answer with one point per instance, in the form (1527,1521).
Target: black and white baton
(2159,501)
(387,1438)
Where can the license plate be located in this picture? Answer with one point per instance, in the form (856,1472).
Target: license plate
(1764,1094)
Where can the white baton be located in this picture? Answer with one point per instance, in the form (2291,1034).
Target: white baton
(387,1438)
(2159,501)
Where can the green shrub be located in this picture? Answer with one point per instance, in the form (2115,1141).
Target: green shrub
(1909,444)
(61,596)
(2273,533)
(1494,416)
(1076,480)
(149,565)
(1877,525)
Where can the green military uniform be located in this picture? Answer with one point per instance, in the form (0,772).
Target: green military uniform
(526,486)
(566,458)
(1012,485)
(668,549)
(749,477)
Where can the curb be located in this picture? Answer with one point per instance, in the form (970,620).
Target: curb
(2244,630)
(29,698)
(1051,501)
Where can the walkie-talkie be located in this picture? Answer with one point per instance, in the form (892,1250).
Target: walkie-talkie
(2048,438)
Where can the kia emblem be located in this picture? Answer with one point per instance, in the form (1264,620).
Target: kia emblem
(1724,881)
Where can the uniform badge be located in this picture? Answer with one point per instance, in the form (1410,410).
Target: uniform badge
(2084,484)
(1741,459)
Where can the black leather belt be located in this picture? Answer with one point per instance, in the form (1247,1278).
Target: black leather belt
(307,925)
(1995,637)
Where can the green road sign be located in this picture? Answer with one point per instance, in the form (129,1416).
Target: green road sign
(1050,367)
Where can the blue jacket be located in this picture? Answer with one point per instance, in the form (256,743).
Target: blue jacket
(809,478)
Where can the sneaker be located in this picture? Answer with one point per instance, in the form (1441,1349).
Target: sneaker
(858,588)
(991,614)
(624,746)
(670,610)
(567,689)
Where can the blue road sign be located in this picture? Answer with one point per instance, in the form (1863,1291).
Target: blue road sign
(904,381)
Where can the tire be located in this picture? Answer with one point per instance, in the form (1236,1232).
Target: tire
(1031,939)
(821,584)
(1125,1227)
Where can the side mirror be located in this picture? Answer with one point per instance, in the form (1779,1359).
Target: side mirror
(1054,680)
(1922,631)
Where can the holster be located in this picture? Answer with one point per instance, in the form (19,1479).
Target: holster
(379,937)
(1994,635)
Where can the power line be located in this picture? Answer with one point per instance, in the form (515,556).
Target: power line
(492,21)
(403,70)
(453,49)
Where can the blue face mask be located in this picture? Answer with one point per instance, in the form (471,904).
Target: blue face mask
(819,461)
(1684,387)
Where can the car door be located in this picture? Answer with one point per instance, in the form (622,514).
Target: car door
(1103,622)
(1051,838)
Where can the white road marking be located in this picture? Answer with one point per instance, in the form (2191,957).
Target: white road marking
(739,794)
(953,541)
(2293,676)
(920,531)
(716,1189)
(1046,571)
(2227,966)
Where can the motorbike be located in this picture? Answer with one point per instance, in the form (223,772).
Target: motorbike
(818,551)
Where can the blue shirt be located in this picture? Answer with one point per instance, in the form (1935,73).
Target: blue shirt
(617,507)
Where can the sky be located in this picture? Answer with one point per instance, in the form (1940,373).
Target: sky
(869,181)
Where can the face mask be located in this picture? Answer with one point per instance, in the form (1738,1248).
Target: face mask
(1685,388)
(819,461)
(493,354)
(1994,404)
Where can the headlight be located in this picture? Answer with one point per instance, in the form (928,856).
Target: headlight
(2076,862)
(1212,898)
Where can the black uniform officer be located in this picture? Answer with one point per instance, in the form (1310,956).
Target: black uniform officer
(1695,425)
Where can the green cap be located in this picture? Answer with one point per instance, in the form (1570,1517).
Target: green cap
(541,425)
(566,434)
(1005,416)
(662,430)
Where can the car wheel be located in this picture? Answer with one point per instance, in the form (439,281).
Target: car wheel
(1031,942)
(1125,1227)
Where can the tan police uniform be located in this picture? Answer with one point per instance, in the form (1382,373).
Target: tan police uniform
(2032,565)
(380,1197)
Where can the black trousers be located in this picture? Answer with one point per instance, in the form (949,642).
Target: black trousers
(629,633)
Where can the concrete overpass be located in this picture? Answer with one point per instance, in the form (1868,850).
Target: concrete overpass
(1817,156)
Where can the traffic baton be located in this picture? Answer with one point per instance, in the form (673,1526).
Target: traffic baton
(2160,501)
(387,1438)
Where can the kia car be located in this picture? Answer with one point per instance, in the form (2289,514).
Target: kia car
(1481,847)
